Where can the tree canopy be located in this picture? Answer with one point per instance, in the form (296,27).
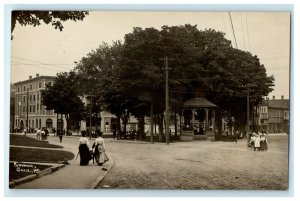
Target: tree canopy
(131,74)
(63,98)
(55,18)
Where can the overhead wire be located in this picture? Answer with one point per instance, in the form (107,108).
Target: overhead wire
(39,62)
(37,66)
(233,31)
(248,33)
(243,31)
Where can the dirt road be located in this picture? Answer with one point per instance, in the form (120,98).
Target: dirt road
(197,165)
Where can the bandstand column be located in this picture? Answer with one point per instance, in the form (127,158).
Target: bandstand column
(193,120)
(206,120)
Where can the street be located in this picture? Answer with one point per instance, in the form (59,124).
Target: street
(197,165)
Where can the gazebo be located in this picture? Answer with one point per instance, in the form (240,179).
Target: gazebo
(198,120)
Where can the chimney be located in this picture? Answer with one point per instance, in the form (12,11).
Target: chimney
(273,97)
(282,97)
(37,75)
(30,77)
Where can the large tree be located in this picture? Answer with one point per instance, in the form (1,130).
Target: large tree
(132,75)
(62,97)
(34,18)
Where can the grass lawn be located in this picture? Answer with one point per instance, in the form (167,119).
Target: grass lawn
(32,155)
(38,155)
(21,140)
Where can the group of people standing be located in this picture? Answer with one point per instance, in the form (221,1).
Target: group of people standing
(97,151)
(259,141)
(42,134)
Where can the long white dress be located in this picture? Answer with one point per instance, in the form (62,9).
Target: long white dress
(101,156)
(257,142)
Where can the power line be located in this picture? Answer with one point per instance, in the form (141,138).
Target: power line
(233,31)
(247,33)
(243,30)
(38,62)
(224,23)
(37,66)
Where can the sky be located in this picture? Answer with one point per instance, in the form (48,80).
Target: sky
(46,51)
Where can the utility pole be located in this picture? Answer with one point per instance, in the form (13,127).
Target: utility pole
(247,86)
(167,101)
(248,134)
(90,117)
(27,94)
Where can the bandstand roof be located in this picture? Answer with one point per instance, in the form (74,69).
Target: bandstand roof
(198,102)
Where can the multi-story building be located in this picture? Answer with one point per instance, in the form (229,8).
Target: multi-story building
(12,107)
(29,110)
(273,115)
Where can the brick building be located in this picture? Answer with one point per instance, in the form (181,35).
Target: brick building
(28,105)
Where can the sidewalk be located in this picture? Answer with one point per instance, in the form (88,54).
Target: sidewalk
(72,176)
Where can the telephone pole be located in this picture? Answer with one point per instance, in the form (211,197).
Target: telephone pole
(167,101)
(27,94)
(248,134)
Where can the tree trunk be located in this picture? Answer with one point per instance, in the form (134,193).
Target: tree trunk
(160,128)
(219,121)
(151,124)
(96,123)
(175,123)
(118,127)
(142,126)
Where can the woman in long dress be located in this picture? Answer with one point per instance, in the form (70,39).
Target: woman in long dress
(264,142)
(256,142)
(83,146)
(99,152)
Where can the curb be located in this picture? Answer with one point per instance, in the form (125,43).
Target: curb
(36,176)
(99,179)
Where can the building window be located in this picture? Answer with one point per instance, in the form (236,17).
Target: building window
(24,99)
(49,83)
(31,87)
(33,108)
(33,97)
(40,85)
(23,108)
(32,123)
(24,88)
(30,97)
(40,123)
(30,108)
(38,97)
(38,107)
(36,123)
(18,89)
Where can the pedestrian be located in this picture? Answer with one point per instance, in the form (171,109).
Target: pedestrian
(25,131)
(114,133)
(46,133)
(38,134)
(42,134)
(256,142)
(83,146)
(60,135)
(264,142)
(99,152)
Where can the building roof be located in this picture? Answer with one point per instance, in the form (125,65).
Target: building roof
(35,78)
(277,103)
(198,102)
